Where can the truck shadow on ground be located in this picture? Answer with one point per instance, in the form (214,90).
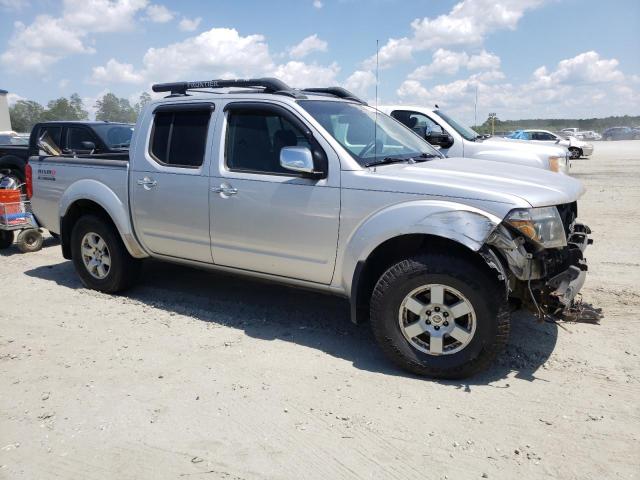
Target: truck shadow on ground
(269,312)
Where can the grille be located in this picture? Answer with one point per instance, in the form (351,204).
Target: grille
(568,213)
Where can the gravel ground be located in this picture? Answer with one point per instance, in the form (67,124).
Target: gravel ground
(194,374)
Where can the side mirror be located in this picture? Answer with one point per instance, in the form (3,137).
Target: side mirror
(442,140)
(88,145)
(300,160)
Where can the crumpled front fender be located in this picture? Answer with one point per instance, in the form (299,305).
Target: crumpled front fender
(461,223)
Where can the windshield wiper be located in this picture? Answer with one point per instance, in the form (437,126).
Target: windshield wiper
(387,161)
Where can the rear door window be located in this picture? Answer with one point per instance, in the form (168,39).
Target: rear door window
(179,137)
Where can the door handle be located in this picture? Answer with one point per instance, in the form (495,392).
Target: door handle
(147,183)
(225,190)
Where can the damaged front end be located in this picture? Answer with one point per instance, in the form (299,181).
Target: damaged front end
(543,250)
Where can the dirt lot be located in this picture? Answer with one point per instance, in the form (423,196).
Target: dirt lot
(201,375)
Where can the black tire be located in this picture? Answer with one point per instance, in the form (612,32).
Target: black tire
(55,236)
(483,291)
(29,240)
(575,153)
(6,239)
(123,270)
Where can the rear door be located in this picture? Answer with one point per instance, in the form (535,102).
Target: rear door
(169,182)
(263,217)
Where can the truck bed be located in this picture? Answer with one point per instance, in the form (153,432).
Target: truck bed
(55,179)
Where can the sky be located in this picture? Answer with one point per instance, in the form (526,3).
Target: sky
(523,58)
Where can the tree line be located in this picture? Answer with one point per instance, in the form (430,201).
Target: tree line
(557,124)
(26,113)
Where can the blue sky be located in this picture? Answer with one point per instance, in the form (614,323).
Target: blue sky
(525,58)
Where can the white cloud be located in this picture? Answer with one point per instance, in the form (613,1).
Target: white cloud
(39,45)
(159,14)
(116,72)
(586,85)
(446,62)
(12,98)
(216,52)
(90,16)
(468,23)
(360,82)
(189,24)
(300,74)
(318,4)
(310,44)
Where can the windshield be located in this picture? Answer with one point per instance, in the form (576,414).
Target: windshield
(115,136)
(466,132)
(369,141)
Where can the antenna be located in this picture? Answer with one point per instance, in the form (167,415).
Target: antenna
(375,125)
(475,109)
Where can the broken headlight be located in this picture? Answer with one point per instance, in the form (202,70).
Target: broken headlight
(543,225)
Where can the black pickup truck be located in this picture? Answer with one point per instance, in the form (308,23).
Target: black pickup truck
(79,137)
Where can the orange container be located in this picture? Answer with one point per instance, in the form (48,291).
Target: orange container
(10,203)
(9,196)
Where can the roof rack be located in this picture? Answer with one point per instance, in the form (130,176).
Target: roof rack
(336,92)
(270,85)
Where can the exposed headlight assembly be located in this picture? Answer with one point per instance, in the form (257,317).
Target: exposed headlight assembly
(558,164)
(542,225)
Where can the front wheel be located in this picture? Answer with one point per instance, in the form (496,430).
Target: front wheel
(100,257)
(440,316)
(575,152)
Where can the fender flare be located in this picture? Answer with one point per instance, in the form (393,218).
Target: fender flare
(455,221)
(99,193)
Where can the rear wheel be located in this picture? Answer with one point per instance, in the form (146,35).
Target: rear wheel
(440,316)
(100,257)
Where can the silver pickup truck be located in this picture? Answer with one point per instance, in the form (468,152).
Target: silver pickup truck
(316,189)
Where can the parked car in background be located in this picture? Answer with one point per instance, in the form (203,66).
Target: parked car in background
(577,148)
(454,139)
(620,133)
(64,137)
(590,135)
(314,188)
(13,138)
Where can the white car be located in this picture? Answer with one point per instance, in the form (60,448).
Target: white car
(454,139)
(577,148)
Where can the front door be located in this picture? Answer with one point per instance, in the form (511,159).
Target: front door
(263,217)
(170,183)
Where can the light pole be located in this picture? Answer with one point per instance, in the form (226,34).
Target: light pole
(493,117)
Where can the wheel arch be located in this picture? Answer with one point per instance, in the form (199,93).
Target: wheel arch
(92,197)
(432,226)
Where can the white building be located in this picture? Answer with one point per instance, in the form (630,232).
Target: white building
(5,121)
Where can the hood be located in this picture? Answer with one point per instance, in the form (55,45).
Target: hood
(526,145)
(467,178)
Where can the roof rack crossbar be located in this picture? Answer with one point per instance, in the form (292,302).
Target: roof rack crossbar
(337,92)
(270,85)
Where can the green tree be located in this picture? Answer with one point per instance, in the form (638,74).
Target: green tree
(114,109)
(66,109)
(25,114)
(144,99)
